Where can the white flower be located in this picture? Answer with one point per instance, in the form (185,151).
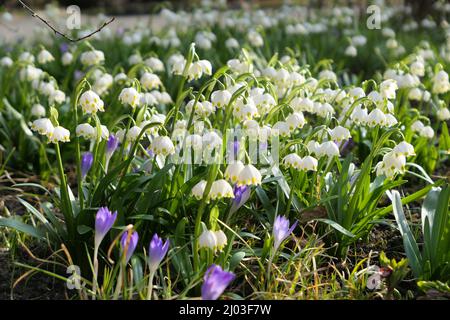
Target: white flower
(162,145)
(309,163)
(134,59)
(220,98)
(404,148)
(292,160)
(443,114)
(280,128)
(120,77)
(206,67)
(91,103)
(155,64)
(43,126)
(199,189)
(328,148)
(86,131)
(351,51)
(66,58)
(376,117)
(249,175)
(356,93)
(324,109)
(255,38)
(302,105)
(417,126)
(295,120)
(388,88)
(221,189)
(427,132)
(26,57)
(57,96)
(150,81)
(417,68)
(37,110)
(129,96)
(394,161)
(59,134)
(133,133)
(390,120)
(6,62)
(441,83)
(231,43)
(44,57)
(221,239)
(415,94)
(233,170)
(359,115)
(195,71)
(264,102)
(92,57)
(30,73)
(340,133)
(208,240)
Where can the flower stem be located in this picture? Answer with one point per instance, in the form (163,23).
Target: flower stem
(150,285)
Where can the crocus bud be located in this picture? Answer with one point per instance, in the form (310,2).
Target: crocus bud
(104,221)
(215,282)
(156,252)
(281,230)
(111,145)
(86,163)
(129,244)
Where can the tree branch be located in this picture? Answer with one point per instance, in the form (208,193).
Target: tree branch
(34,14)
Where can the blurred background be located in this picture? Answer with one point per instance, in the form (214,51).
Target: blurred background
(117,7)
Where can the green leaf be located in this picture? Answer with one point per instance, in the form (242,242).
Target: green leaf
(337,226)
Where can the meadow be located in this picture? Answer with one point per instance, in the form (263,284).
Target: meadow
(234,153)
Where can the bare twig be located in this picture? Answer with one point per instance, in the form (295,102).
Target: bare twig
(34,14)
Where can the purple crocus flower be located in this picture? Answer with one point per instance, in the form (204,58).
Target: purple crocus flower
(156,252)
(215,282)
(86,163)
(281,230)
(130,246)
(112,144)
(64,47)
(78,75)
(104,221)
(241,195)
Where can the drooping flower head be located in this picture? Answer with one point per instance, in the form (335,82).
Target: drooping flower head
(281,230)
(104,221)
(215,282)
(156,252)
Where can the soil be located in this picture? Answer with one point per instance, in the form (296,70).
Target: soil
(36,287)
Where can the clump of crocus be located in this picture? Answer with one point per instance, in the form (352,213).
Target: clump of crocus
(104,220)
(156,253)
(215,282)
(281,230)
(86,163)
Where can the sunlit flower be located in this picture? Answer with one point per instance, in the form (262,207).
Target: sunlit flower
(37,110)
(45,57)
(91,103)
(104,220)
(221,189)
(233,170)
(86,163)
(129,96)
(128,244)
(199,189)
(215,282)
(340,133)
(281,230)
(60,134)
(43,126)
(249,175)
(156,252)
